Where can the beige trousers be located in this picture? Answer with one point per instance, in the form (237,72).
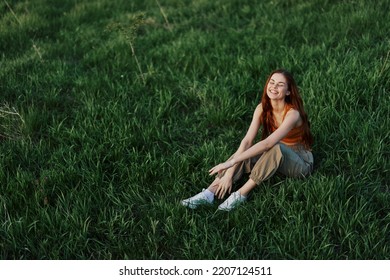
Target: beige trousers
(291,161)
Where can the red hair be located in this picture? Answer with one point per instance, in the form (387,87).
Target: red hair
(294,100)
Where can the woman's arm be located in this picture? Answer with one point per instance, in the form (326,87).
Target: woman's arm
(225,183)
(290,121)
(250,136)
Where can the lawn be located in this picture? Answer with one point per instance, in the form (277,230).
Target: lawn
(111,112)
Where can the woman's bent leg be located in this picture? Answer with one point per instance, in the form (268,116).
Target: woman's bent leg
(282,159)
(296,163)
(279,158)
(213,186)
(247,187)
(267,165)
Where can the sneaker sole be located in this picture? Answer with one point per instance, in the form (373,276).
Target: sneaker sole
(188,205)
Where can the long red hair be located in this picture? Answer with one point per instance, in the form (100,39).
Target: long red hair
(294,100)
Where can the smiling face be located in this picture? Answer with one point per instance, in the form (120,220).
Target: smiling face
(277,88)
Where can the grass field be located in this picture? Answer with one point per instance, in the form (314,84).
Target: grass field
(113,111)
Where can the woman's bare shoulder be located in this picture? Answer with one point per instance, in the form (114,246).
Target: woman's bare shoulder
(259,108)
(295,115)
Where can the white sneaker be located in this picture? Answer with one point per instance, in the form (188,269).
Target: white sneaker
(196,200)
(232,201)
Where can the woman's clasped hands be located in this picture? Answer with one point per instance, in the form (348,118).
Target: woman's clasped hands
(224,184)
(221,167)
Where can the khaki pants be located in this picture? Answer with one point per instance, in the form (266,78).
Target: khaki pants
(291,161)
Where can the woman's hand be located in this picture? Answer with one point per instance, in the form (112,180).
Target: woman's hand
(222,166)
(224,186)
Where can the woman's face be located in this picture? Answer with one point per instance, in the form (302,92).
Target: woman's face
(277,88)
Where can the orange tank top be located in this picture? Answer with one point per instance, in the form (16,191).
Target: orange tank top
(294,136)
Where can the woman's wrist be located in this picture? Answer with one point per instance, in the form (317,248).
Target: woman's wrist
(229,171)
(231,163)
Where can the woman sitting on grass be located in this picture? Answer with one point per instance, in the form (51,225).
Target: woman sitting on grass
(284,148)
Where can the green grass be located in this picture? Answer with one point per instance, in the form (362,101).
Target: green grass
(121,107)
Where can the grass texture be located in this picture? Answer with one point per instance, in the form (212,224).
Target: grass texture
(111,112)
